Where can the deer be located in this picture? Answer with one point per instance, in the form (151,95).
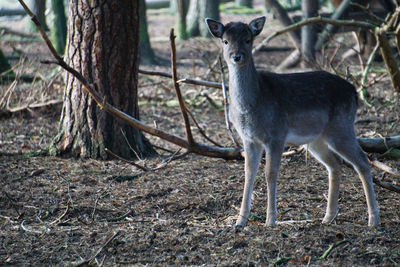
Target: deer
(269,110)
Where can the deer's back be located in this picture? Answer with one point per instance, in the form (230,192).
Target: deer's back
(317,90)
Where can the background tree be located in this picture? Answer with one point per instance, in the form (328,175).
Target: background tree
(59,27)
(246,3)
(103,40)
(38,8)
(198,11)
(192,18)
(145,50)
(180,24)
(308,33)
(4,65)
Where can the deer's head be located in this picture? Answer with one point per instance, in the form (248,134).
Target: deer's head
(237,38)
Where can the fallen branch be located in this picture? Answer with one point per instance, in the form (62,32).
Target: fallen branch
(9,111)
(386,185)
(379,145)
(385,168)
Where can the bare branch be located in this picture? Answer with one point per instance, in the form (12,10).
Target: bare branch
(181,80)
(178,93)
(316,20)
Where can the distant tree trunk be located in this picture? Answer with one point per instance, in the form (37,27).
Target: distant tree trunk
(103,40)
(59,27)
(145,50)
(208,9)
(281,14)
(181,11)
(308,33)
(39,8)
(198,11)
(4,65)
(246,3)
(192,18)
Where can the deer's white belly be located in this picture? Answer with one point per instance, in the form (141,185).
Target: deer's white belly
(296,139)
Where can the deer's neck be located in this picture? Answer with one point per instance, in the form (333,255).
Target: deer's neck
(243,84)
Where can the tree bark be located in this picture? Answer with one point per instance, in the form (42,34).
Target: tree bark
(308,33)
(146,52)
(103,39)
(59,27)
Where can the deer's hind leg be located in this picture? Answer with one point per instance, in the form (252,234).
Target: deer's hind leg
(320,150)
(346,146)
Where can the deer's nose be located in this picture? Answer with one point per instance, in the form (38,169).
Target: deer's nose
(237,58)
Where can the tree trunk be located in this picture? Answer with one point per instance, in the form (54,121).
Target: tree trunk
(246,3)
(281,14)
(39,9)
(59,27)
(181,11)
(4,65)
(208,9)
(308,33)
(103,39)
(146,52)
(192,18)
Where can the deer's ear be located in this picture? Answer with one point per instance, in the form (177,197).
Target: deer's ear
(216,28)
(256,25)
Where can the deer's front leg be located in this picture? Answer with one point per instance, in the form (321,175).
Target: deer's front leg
(252,160)
(273,155)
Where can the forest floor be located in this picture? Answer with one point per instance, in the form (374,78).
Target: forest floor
(64,211)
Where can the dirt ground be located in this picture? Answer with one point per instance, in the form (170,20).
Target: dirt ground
(63,211)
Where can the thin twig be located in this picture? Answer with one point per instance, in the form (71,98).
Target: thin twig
(202,132)
(110,238)
(127,161)
(182,106)
(56,221)
(319,19)
(181,80)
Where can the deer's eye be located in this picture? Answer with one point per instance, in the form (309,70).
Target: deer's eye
(225,42)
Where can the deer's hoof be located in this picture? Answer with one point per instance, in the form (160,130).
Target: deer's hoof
(373,220)
(328,219)
(241,221)
(270,223)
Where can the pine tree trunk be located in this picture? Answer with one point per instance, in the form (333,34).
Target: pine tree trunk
(59,27)
(103,40)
